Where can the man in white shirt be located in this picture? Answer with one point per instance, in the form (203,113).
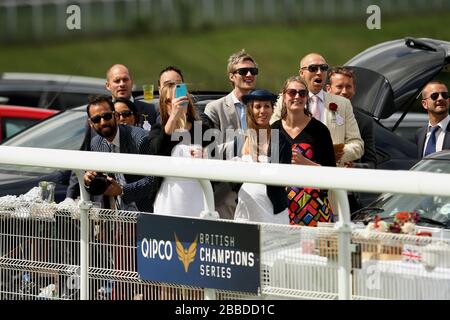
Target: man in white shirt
(436,135)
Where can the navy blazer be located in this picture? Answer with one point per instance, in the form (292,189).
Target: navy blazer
(148,111)
(421,136)
(133,140)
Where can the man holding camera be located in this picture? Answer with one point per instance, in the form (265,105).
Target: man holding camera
(125,192)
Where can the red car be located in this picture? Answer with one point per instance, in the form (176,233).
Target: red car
(14,119)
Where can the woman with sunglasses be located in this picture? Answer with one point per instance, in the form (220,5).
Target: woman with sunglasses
(175,137)
(127,111)
(303,140)
(257,202)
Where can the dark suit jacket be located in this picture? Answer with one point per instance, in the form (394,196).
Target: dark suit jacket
(421,136)
(146,110)
(133,140)
(365,125)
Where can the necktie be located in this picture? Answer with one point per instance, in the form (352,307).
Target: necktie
(241,109)
(315,110)
(431,145)
(119,177)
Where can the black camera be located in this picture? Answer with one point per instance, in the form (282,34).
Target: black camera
(99,184)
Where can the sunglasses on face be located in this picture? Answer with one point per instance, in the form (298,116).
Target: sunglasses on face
(245,71)
(293,93)
(435,95)
(125,114)
(106,116)
(315,67)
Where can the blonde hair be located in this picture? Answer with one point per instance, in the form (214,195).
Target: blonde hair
(167,93)
(237,58)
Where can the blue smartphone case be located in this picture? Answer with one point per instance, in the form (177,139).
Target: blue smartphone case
(180,90)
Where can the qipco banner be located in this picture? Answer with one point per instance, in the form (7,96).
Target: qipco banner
(197,252)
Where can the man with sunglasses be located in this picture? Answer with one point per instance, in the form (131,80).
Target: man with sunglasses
(120,83)
(334,111)
(228,113)
(134,191)
(436,135)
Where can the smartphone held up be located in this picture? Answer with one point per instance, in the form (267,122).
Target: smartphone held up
(181,91)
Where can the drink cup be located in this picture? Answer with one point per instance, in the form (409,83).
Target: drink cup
(148,91)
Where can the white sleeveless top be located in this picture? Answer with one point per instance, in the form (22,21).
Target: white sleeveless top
(179,196)
(254,204)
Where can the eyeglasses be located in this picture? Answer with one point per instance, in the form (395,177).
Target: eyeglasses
(315,67)
(435,95)
(293,93)
(125,114)
(245,71)
(106,116)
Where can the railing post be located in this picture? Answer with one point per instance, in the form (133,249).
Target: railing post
(344,249)
(208,213)
(84,206)
(208,200)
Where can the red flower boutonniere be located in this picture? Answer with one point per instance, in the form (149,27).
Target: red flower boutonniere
(333,106)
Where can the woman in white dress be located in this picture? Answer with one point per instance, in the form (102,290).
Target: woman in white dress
(258,202)
(174,137)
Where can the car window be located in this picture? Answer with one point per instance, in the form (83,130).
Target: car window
(21,98)
(63,131)
(434,207)
(11,126)
(68,99)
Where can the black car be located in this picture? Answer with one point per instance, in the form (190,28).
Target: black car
(48,91)
(390,77)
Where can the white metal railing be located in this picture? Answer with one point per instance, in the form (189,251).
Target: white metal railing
(336,179)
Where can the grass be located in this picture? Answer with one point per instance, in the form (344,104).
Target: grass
(203,55)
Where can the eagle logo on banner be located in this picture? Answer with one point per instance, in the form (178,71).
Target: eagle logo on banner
(186,256)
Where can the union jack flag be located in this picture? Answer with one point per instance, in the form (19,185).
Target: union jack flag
(410,254)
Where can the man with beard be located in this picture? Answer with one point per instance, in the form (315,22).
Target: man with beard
(334,111)
(120,83)
(436,135)
(133,192)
